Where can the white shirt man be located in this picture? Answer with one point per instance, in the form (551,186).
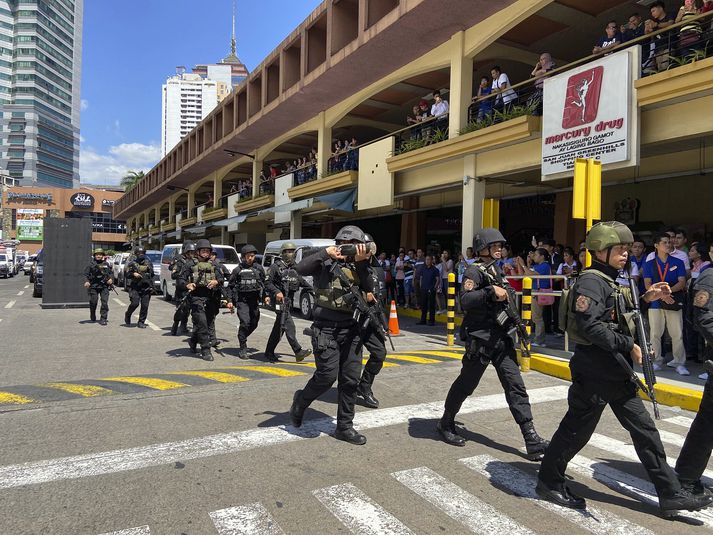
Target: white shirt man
(440,106)
(501,84)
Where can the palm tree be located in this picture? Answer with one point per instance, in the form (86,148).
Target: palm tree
(131,179)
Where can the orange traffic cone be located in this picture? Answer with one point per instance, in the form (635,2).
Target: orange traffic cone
(394,321)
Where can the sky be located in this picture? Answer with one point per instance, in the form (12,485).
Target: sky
(130,47)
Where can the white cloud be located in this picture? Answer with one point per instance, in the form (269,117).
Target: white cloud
(84,104)
(109,168)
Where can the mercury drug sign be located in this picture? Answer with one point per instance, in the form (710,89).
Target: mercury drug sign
(82,200)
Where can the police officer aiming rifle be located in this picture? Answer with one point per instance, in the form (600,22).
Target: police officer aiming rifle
(599,379)
(247,289)
(140,276)
(99,282)
(183,309)
(488,330)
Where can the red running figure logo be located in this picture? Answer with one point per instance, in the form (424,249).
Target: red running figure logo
(581,104)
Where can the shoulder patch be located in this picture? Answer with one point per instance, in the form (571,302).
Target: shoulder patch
(468,285)
(701,299)
(583,303)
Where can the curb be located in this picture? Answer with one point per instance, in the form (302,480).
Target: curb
(416,314)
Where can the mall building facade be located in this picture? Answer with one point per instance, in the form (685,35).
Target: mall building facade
(356,68)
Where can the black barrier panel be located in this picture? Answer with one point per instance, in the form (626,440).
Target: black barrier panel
(66,251)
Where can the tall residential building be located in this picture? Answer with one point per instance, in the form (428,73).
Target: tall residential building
(40,79)
(187,100)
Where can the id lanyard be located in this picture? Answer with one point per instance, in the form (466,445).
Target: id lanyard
(662,276)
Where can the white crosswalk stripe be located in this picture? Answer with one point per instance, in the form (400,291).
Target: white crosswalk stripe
(358,512)
(683,421)
(473,513)
(142,530)
(251,519)
(522,484)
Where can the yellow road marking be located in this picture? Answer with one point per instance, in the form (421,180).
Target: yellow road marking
(221,377)
(86,391)
(385,365)
(409,358)
(157,384)
(303,364)
(448,354)
(8,397)
(271,370)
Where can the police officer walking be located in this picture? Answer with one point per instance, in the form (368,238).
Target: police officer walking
(204,280)
(373,340)
(282,282)
(247,290)
(98,275)
(696,449)
(484,295)
(139,273)
(335,333)
(183,309)
(601,333)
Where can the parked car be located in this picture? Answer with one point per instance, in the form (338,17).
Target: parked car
(155,258)
(303,300)
(38,275)
(6,267)
(117,266)
(27,266)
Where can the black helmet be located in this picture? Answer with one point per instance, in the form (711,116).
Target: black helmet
(349,233)
(248,249)
(188,246)
(486,237)
(203,244)
(370,243)
(141,250)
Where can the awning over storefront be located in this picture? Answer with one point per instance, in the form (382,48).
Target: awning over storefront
(173,234)
(230,221)
(340,200)
(198,229)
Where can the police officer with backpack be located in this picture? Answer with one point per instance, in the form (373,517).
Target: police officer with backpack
(598,324)
(183,309)
(484,294)
(140,274)
(247,289)
(204,280)
(696,450)
(282,282)
(98,275)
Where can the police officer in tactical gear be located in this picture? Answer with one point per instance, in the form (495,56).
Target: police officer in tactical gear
(335,333)
(282,282)
(98,275)
(373,341)
(246,288)
(204,280)
(217,262)
(696,449)
(183,309)
(139,273)
(597,305)
(483,296)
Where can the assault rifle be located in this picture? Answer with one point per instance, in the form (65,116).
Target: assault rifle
(364,313)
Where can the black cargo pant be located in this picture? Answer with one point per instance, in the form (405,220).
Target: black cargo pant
(505,362)
(183,308)
(94,295)
(376,347)
(587,399)
(696,450)
(139,297)
(203,313)
(248,310)
(336,358)
(276,333)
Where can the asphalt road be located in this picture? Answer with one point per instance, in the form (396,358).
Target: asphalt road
(218,456)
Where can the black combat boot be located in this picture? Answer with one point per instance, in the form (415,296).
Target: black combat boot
(297,410)
(447,428)
(127,318)
(697,488)
(535,445)
(302,354)
(271,357)
(364,392)
(206,353)
(350,435)
(243,351)
(141,325)
(102,321)
(193,345)
(683,500)
(174,328)
(184,328)
(561,496)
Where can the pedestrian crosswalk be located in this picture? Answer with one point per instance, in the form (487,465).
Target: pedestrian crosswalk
(491,493)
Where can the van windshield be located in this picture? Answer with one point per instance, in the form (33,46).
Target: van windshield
(3,258)
(227,255)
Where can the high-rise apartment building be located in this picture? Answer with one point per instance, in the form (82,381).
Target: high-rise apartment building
(40,78)
(187,100)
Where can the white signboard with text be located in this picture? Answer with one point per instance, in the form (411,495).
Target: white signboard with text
(591,112)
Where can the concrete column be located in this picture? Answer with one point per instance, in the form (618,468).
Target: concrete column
(191,201)
(172,209)
(257,167)
(295,225)
(473,195)
(217,190)
(461,85)
(324,145)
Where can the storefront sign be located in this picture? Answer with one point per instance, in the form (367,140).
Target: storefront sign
(108,202)
(29,197)
(590,112)
(82,200)
(30,224)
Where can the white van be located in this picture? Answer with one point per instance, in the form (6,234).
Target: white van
(302,300)
(226,254)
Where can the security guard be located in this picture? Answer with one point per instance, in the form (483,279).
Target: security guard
(696,449)
(282,282)
(335,333)
(204,280)
(98,275)
(247,288)
(600,330)
(484,293)
(183,309)
(139,273)
(374,342)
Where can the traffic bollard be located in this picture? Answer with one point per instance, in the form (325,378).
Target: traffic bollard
(526,316)
(451,314)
